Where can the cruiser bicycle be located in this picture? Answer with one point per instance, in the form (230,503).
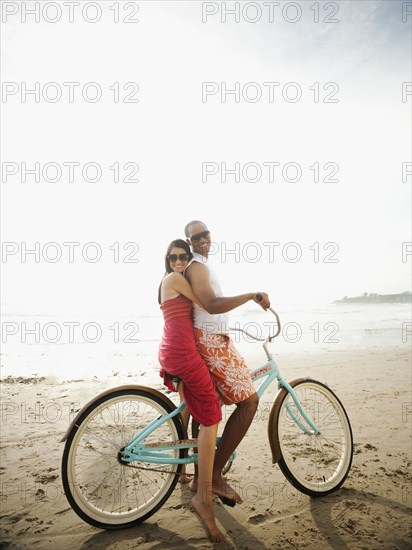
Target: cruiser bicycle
(125,449)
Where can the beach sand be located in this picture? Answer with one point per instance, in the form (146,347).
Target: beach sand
(371,510)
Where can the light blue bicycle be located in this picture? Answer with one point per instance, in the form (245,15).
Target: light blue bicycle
(125,449)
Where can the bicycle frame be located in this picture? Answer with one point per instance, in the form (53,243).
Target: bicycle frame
(112,486)
(136,450)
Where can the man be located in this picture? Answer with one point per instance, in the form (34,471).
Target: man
(228,369)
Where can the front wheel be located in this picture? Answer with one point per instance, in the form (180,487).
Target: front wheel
(315,464)
(102,489)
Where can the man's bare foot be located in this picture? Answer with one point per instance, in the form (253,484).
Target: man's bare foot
(193,485)
(206,514)
(221,488)
(184,477)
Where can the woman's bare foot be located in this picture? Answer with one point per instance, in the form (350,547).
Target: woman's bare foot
(206,514)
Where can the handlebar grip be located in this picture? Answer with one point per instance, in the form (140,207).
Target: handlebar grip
(259,297)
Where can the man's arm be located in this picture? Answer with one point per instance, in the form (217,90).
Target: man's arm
(198,276)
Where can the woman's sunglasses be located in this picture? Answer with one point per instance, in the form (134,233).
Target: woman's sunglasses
(175,257)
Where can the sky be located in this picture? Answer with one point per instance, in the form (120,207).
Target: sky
(331,219)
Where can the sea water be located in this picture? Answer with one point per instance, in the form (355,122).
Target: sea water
(71,347)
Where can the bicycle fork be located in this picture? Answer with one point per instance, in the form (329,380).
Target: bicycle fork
(271,371)
(308,420)
(284,389)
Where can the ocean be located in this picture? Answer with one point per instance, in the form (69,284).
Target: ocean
(70,347)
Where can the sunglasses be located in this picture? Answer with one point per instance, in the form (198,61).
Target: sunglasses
(198,236)
(175,257)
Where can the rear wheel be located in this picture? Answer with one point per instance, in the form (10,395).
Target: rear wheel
(102,489)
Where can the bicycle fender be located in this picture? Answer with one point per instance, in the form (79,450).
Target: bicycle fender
(152,391)
(273,435)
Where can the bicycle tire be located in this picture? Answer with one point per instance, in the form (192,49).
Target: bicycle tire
(316,465)
(102,490)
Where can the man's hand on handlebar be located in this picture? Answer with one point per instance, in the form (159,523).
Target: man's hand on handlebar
(262,299)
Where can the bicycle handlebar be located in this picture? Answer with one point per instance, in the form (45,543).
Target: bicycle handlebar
(259,298)
(277,322)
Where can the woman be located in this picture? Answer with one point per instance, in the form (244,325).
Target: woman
(179,356)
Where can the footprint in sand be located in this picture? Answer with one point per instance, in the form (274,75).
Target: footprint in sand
(257,518)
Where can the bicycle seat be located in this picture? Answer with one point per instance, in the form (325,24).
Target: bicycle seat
(175,381)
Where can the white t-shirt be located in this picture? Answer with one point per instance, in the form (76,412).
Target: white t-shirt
(216,323)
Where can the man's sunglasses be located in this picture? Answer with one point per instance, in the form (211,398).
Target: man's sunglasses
(198,236)
(175,257)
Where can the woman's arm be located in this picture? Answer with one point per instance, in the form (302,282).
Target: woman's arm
(181,285)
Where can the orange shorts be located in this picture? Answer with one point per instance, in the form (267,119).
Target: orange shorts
(227,367)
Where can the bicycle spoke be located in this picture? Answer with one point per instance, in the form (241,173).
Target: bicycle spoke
(101,439)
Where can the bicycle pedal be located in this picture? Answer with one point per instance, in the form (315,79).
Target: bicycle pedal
(227,501)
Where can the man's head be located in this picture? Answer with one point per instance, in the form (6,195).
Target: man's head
(198,236)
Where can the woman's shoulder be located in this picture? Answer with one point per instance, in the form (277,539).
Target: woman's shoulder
(173,280)
(173,276)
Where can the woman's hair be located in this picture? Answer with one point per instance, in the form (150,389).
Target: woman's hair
(177,243)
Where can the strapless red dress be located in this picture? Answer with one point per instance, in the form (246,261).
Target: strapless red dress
(178,356)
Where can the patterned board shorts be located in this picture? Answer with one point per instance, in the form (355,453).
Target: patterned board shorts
(227,367)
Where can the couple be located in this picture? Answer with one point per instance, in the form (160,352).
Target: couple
(210,368)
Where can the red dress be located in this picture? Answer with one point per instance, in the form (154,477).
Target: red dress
(178,356)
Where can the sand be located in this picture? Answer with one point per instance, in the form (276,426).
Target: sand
(371,510)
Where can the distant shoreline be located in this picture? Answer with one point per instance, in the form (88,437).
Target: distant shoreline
(402,298)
